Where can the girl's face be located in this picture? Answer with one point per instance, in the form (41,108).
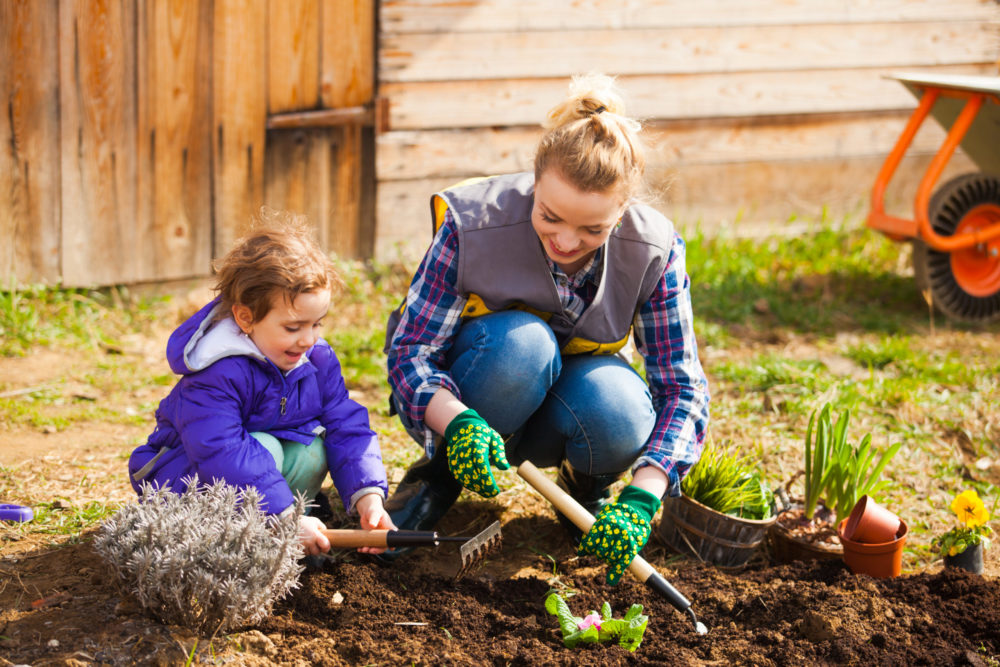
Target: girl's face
(289,329)
(572,224)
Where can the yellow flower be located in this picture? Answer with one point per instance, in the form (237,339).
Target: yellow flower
(969,509)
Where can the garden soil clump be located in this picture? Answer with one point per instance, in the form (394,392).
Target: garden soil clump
(352,611)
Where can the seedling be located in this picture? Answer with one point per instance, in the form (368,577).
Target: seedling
(594,627)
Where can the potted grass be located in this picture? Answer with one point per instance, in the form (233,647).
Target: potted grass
(724,510)
(962,546)
(835,477)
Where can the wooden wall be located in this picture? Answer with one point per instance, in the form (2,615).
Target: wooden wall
(758,111)
(139,136)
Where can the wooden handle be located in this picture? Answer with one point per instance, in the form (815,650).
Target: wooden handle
(574,511)
(345,537)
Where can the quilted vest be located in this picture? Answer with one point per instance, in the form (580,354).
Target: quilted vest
(502,265)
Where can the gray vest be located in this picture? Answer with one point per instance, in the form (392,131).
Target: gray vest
(501,263)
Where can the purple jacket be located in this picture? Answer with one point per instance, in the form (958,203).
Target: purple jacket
(228,390)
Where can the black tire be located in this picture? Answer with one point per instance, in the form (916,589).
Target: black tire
(932,269)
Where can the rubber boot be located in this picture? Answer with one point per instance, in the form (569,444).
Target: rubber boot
(426,492)
(591,491)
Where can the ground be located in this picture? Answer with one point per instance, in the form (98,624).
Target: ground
(58,605)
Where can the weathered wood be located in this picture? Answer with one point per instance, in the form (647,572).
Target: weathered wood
(348,52)
(661,51)
(745,197)
(293,57)
(29,142)
(174,218)
(456,153)
(97,105)
(505,102)
(297,175)
(240,113)
(410,16)
(321,118)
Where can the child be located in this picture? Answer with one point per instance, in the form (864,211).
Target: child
(261,401)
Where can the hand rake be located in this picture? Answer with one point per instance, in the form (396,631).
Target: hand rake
(474,550)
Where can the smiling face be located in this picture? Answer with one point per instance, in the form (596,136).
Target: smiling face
(289,329)
(572,224)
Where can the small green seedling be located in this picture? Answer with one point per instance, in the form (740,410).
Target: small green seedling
(601,628)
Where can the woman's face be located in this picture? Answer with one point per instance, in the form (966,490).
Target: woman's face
(572,224)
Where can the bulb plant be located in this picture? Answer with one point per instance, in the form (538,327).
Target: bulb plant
(973,516)
(837,471)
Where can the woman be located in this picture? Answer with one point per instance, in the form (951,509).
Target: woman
(506,346)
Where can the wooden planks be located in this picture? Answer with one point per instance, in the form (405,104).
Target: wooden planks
(505,102)
(174,217)
(417,16)
(348,52)
(659,51)
(293,56)
(239,98)
(29,142)
(98,142)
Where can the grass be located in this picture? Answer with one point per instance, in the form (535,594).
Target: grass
(784,325)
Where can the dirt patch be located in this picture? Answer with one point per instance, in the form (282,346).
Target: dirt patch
(61,609)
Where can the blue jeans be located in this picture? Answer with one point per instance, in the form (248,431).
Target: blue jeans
(594,411)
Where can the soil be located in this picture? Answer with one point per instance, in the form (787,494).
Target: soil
(60,608)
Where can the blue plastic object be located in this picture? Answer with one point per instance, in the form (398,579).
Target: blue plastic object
(15,513)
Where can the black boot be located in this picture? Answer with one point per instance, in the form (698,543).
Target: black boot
(426,492)
(591,491)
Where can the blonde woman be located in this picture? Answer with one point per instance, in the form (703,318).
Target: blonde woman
(505,347)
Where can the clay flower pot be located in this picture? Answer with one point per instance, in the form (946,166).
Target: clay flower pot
(883,560)
(971,559)
(871,523)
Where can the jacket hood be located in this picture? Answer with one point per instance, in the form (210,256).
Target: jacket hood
(202,340)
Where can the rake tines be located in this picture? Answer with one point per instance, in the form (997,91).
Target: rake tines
(475,551)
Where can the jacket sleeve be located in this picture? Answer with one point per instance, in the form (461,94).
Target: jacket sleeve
(352,449)
(209,417)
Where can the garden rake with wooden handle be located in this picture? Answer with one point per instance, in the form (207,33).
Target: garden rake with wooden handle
(583,520)
(474,550)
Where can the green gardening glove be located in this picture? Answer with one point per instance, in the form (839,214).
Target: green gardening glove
(472,447)
(621,530)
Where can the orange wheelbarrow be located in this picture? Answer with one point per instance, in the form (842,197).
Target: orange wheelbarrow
(956,228)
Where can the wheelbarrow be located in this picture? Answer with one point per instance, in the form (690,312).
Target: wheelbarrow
(956,228)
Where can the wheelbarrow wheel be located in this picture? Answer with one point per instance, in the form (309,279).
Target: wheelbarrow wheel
(964,285)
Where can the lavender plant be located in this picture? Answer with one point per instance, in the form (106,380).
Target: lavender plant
(208,559)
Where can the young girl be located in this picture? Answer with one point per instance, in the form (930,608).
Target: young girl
(511,326)
(261,401)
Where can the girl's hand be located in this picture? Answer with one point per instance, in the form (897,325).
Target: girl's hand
(313,540)
(373,516)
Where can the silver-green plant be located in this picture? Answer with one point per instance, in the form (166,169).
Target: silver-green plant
(208,559)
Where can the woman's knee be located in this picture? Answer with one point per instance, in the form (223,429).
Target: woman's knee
(511,347)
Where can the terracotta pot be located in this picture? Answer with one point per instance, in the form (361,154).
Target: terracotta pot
(786,546)
(882,560)
(971,559)
(871,523)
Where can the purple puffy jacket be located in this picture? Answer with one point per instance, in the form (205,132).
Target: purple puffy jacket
(228,389)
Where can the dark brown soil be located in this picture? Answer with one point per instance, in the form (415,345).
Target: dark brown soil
(355,612)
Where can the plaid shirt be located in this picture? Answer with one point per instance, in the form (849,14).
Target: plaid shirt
(663,334)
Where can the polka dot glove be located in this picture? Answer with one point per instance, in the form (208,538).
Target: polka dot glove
(472,447)
(621,530)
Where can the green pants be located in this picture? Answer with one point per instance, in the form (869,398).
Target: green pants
(302,466)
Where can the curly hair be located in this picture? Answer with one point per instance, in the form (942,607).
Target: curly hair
(591,142)
(279,255)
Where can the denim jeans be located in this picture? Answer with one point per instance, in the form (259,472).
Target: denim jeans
(595,411)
